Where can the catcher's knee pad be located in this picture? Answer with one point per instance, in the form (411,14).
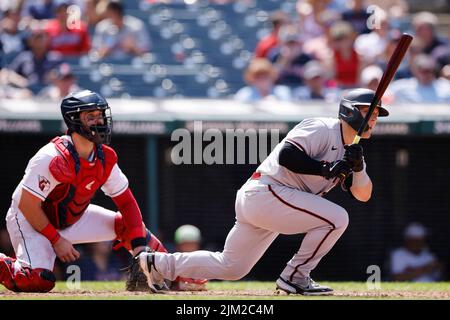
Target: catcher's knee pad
(23,279)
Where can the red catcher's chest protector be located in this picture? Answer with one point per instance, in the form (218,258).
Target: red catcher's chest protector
(80,179)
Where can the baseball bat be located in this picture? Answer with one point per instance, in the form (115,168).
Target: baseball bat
(388,74)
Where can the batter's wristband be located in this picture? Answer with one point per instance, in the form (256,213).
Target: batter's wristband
(50,233)
(360,179)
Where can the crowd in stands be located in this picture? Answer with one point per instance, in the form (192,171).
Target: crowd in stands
(326,50)
(321,48)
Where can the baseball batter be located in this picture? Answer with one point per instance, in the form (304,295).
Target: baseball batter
(284,196)
(51,210)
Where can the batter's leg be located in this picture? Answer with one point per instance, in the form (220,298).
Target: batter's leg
(244,246)
(323,222)
(286,210)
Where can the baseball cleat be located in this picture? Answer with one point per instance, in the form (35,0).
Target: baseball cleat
(307,287)
(155,280)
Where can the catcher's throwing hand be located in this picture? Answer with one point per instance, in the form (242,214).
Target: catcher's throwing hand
(335,169)
(354,155)
(65,251)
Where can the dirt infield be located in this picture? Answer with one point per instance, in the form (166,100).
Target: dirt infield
(117,294)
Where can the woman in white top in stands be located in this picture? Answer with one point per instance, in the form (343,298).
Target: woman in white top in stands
(260,77)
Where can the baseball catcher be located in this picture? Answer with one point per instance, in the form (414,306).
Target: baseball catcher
(51,209)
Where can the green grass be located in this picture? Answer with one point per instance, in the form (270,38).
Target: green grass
(238,290)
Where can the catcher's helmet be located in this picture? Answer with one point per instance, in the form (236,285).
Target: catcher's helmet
(350,103)
(85,100)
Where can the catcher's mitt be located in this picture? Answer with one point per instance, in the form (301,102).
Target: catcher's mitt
(136,279)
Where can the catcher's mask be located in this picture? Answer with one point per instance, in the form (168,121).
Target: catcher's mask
(73,104)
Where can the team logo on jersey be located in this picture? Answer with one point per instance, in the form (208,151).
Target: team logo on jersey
(89,185)
(333,148)
(44,184)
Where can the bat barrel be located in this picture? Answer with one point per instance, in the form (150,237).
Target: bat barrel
(388,75)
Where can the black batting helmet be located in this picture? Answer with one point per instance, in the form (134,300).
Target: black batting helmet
(85,100)
(350,103)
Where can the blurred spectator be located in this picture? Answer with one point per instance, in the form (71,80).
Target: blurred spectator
(69,36)
(278,19)
(315,77)
(35,63)
(98,262)
(346,63)
(425,24)
(338,5)
(13,85)
(442,55)
(120,35)
(371,45)
(442,52)
(260,77)
(187,238)
(371,76)
(11,38)
(395,9)
(445,72)
(404,70)
(319,47)
(414,261)
(44,9)
(39,9)
(425,30)
(357,15)
(311,17)
(288,58)
(96,11)
(63,82)
(424,86)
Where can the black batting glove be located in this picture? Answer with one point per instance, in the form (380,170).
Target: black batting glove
(354,155)
(336,169)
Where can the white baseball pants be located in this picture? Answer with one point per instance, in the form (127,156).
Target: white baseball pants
(34,250)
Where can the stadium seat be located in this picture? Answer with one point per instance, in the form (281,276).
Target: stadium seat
(197,50)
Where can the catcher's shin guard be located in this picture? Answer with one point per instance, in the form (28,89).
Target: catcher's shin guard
(23,279)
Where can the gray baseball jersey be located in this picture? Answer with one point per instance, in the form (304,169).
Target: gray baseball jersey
(321,139)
